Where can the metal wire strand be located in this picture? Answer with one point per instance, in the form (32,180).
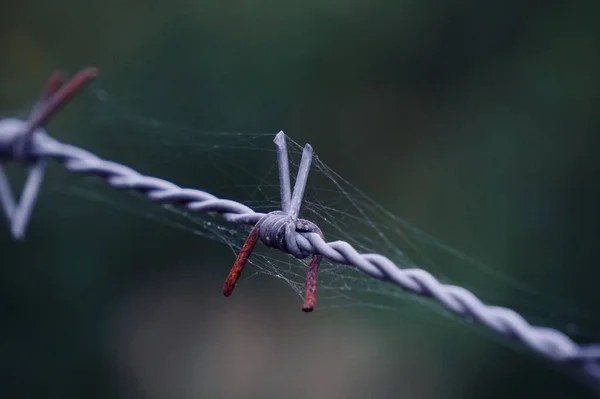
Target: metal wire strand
(547,342)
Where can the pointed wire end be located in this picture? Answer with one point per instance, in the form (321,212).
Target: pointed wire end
(241,261)
(308,150)
(228,289)
(310,297)
(83,77)
(307,308)
(307,155)
(61,94)
(279,138)
(53,85)
(232,279)
(18,232)
(89,72)
(55,82)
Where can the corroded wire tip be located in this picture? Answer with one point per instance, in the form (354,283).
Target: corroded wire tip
(229,286)
(310,295)
(306,308)
(54,84)
(58,96)
(240,262)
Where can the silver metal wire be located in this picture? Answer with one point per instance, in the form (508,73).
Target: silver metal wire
(547,342)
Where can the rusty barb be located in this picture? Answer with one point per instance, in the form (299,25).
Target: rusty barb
(279,229)
(55,96)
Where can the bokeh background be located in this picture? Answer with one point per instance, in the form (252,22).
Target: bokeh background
(474,121)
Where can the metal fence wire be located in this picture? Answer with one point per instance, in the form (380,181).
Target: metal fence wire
(27,142)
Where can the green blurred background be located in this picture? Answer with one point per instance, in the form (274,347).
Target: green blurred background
(474,121)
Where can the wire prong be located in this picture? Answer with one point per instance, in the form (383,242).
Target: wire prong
(7,198)
(310,295)
(240,262)
(22,213)
(283,164)
(54,84)
(60,97)
(300,183)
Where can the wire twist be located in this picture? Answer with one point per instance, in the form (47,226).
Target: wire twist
(302,242)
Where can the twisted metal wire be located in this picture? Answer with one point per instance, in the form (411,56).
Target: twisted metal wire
(547,342)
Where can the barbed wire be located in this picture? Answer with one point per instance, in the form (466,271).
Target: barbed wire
(40,147)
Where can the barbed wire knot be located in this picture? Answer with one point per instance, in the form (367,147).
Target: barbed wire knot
(278,230)
(15,143)
(16,138)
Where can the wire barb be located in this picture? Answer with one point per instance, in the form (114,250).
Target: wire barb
(55,96)
(279,229)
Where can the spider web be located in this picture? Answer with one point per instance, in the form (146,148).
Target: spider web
(242,167)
